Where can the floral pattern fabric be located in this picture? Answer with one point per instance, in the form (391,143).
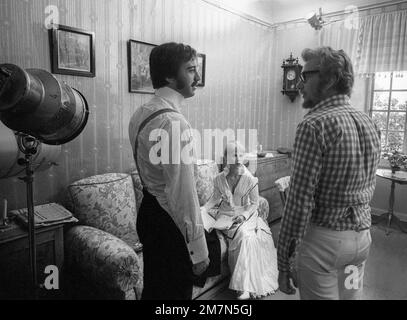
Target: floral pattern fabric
(106,247)
(106,202)
(263,209)
(105,259)
(204,175)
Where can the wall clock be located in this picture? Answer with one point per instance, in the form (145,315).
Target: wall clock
(291,76)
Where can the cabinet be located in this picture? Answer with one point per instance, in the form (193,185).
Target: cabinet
(268,170)
(15,271)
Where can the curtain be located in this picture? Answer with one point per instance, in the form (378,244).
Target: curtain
(376,43)
(342,35)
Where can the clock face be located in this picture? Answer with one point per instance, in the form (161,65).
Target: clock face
(291,75)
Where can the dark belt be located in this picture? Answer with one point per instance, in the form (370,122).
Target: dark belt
(362,229)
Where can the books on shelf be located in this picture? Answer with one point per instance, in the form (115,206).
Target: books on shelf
(45,215)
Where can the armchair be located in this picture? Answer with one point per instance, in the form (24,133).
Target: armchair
(103,256)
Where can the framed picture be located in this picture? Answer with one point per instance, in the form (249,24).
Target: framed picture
(201,66)
(72,51)
(139,67)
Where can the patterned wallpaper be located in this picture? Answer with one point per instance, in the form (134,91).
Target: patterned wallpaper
(243,77)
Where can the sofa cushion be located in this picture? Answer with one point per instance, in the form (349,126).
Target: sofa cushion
(106,202)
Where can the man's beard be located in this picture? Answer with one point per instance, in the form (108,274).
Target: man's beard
(181,84)
(310,103)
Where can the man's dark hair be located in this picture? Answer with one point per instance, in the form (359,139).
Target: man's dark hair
(165,61)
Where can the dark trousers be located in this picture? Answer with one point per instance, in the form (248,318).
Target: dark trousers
(167,265)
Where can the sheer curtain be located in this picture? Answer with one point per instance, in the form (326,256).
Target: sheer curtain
(375,43)
(342,35)
(346,35)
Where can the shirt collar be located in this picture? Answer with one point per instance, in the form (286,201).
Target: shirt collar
(336,100)
(170,95)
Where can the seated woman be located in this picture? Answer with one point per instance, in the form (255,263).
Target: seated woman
(252,256)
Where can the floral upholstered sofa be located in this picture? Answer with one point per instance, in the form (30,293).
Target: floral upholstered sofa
(103,255)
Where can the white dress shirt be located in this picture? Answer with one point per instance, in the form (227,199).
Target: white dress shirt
(173,183)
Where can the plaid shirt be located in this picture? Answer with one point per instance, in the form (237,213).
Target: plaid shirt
(336,154)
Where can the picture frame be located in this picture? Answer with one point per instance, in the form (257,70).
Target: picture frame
(139,66)
(72,51)
(201,67)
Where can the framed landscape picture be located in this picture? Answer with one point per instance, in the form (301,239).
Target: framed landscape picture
(139,68)
(72,51)
(201,68)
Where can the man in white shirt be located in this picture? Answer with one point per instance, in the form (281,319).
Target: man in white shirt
(169,222)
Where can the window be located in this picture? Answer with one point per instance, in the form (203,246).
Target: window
(389,108)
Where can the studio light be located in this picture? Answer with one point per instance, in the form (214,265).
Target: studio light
(34,102)
(37,108)
(46,156)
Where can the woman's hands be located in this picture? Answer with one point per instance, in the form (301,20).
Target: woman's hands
(238,219)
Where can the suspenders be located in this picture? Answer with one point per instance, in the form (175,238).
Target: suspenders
(142,125)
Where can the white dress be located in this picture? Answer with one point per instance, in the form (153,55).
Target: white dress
(252,256)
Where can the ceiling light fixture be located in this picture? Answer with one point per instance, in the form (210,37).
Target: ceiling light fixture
(315,20)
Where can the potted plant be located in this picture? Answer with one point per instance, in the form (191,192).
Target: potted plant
(396,159)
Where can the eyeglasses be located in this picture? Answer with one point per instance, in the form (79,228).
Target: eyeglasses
(303,75)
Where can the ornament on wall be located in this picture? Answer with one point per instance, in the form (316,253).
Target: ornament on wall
(291,76)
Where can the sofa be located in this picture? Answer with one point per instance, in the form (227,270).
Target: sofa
(103,255)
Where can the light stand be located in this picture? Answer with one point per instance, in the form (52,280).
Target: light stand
(29,146)
(40,109)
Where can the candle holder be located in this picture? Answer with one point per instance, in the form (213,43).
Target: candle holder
(4,219)
(5,223)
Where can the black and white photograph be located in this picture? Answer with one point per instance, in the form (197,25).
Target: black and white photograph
(223,154)
(139,69)
(201,58)
(72,51)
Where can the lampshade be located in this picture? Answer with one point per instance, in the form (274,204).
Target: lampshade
(46,156)
(34,102)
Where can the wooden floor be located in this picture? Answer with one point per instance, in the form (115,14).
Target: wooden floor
(385,272)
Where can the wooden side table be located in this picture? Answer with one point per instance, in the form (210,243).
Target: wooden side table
(399,177)
(15,271)
(269,169)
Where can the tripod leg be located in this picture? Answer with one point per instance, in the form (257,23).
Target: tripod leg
(389,217)
(391,206)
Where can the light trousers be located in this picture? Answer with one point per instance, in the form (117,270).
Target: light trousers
(330,264)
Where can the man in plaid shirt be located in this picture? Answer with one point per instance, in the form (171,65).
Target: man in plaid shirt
(327,216)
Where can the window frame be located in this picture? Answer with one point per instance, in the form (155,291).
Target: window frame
(388,111)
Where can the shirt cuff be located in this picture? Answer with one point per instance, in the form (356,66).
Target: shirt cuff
(198,250)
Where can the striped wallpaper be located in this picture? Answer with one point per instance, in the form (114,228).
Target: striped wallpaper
(243,77)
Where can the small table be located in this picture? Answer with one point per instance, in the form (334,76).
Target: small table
(399,177)
(15,271)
